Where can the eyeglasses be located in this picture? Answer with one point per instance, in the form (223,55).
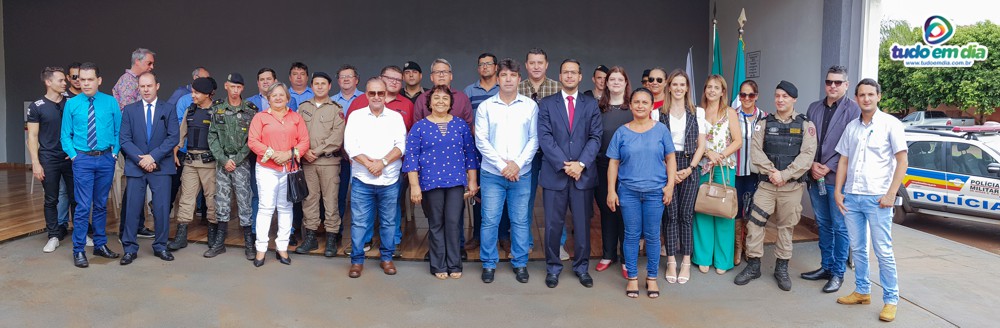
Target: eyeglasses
(487,64)
(441,72)
(392,79)
(834,83)
(376,94)
(346,76)
(657,80)
(74,77)
(748,95)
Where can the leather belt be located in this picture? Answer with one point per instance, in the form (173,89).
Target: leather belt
(94,152)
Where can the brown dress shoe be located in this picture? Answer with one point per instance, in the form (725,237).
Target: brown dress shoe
(388,268)
(356,270)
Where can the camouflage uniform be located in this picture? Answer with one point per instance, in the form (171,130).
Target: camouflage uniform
(227,139)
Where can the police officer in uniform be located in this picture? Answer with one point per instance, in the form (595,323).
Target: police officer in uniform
(782,150)
(227,138)
(199,164)
(325,120)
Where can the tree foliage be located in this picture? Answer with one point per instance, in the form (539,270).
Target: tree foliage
(976,87)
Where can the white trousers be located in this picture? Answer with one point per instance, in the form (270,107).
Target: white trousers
(272,189)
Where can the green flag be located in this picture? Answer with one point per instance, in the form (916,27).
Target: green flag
(740,71)
(717,57)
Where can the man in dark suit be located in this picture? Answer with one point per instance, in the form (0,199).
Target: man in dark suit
(149,133)
(569,134)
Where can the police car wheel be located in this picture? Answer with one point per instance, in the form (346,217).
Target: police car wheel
(898,215)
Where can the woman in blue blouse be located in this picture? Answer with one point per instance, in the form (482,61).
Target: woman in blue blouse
(642,157)
(442,165)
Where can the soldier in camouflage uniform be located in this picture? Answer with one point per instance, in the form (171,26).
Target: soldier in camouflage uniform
(227,139)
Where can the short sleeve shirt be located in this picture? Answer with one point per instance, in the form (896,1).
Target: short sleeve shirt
(871,151)
(48,115)
(642,155)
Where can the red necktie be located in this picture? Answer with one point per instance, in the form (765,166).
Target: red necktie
(572,110)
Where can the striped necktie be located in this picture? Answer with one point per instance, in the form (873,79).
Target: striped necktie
(91,126)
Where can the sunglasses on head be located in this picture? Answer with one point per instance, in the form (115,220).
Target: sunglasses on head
(748,95)
(834,83)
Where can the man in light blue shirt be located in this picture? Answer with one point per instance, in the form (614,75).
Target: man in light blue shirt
(89,135)
(265,78)
(347,79)
(298,79)
(507,138)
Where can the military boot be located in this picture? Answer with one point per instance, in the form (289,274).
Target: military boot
(750,272)
(213,229)
(248,240)
(218,245)
(308,244)
(781,275)
(332,240)
(180,238)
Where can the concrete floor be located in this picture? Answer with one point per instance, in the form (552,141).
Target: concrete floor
(943,284)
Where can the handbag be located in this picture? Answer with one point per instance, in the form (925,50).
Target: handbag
(715,199)
(297,188)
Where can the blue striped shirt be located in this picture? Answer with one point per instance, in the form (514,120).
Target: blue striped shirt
(477,94)
(74,124)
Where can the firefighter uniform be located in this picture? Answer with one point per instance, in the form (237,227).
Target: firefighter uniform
(325,122)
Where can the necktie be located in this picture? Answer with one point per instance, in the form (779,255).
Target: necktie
(572,110)
(91,126)
(149,121)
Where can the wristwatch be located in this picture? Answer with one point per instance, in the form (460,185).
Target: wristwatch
(582,165)
(385,162)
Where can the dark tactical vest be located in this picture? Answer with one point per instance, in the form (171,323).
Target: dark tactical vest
(198,120)
(690,136)
(783,141)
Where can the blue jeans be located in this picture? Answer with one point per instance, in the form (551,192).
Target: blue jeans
(63,207)
(833,241)
(642,212)
(863,215)
(496,192)
(366,199)
(402,183)
(92,177)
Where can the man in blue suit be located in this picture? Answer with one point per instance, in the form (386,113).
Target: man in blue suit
(569,134)
(148,136)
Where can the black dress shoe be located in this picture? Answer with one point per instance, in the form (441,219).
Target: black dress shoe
(283,260)
(164,255)
(488,275)
(104,251)
(145,233)
(551,280)
(833,285)
(818,274)
(585,279)
(128,258)
(521,274)
(80,260)
(258,263)
(465,255)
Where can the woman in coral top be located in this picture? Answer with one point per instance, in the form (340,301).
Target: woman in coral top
(279,138)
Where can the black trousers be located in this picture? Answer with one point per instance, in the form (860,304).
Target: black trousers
(444,221)
(580,203)
(612,225)
(56,170)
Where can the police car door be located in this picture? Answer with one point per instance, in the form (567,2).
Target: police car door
(975,190)
(926,180)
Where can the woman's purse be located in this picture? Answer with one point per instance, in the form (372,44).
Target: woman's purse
(297,188)
(716,199)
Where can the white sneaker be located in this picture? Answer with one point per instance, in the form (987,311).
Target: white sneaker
(563,255)
(90,242)
(51,245)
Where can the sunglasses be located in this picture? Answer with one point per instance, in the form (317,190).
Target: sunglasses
(834,83)
(376,94)
(748,95)
(74,77)
(534,96)
(657,80)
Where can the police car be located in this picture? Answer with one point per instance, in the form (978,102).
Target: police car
(954,172)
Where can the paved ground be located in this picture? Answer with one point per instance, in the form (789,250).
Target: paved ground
(943,284)
(979,235)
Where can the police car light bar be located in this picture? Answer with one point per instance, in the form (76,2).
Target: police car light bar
(985,128)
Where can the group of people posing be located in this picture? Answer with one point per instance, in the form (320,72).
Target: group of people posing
(642,154)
